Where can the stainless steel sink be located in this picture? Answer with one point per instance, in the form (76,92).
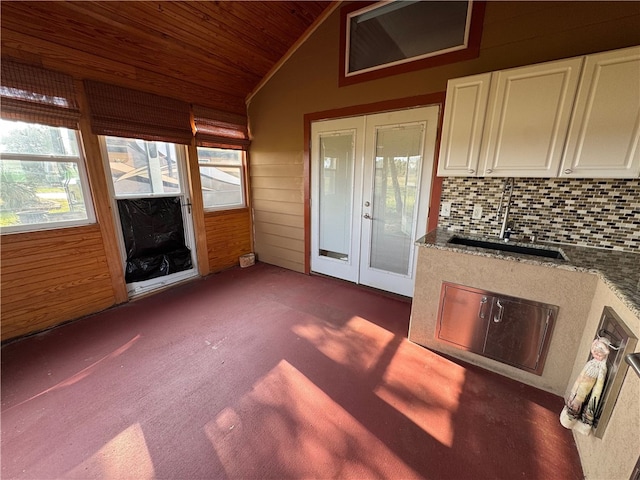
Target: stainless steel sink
(544,252)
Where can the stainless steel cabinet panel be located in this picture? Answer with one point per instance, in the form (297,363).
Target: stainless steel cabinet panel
(510,330)
(517,331)
(465,312)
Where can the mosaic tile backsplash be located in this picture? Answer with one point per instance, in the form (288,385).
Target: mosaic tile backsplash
(602,213)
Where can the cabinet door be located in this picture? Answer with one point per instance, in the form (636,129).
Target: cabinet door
(517,332)
(605,128)
(528,118)
(464,114)
(463,316)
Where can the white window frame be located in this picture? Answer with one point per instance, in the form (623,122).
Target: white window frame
(84,184)
(241,167)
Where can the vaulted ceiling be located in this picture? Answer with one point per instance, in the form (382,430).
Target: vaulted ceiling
(210,52)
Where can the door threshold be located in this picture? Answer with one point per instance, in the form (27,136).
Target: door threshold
(395,296)
(150,290)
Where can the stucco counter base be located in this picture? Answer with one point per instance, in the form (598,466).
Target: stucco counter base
(571,291)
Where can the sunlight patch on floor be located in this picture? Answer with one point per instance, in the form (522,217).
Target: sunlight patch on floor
(124,456)
(426,389)
(356,344)
(287,426)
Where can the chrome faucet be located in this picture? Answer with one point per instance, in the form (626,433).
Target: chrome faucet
(506,229)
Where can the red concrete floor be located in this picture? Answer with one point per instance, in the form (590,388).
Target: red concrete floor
(266,373)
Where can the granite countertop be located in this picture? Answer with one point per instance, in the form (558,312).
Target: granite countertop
(619,270)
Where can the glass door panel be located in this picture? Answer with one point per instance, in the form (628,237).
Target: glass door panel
(335,194)
(397,172)
(141,168)
(398,165)
(336,146)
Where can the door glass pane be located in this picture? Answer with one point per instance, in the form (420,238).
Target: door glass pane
(397,173)
(142,168)
(335,196)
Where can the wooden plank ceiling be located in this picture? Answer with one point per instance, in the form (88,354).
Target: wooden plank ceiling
(209,52)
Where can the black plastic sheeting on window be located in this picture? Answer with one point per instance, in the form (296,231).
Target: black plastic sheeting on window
(154,238)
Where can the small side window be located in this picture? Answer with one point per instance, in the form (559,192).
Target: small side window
(43,182)
(222,178)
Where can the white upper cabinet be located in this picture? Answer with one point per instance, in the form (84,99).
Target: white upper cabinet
(527,119)
(605,128)
(466,106)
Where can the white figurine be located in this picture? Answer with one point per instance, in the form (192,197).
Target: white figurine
(581,405)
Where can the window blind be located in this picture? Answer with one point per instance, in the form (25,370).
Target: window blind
(35,95)
(122,112)
(219,129)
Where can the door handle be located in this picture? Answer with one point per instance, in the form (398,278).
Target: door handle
(480,311)
(367,216)
(188,205)
(498,318)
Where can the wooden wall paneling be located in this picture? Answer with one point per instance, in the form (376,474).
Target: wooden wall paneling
(291,232)
(24,258)
(283,242)
(49,277)
(101,198)
(228,237)
(277,219)
(35,319)
(293,183)
(197,209)
(31,278)
(277,194)
(284,173)
(72,281)
(282,257)
(287,208)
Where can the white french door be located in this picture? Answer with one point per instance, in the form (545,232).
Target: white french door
(370,189)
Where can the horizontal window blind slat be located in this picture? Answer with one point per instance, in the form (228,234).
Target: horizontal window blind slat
(122,112)
(36,95)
